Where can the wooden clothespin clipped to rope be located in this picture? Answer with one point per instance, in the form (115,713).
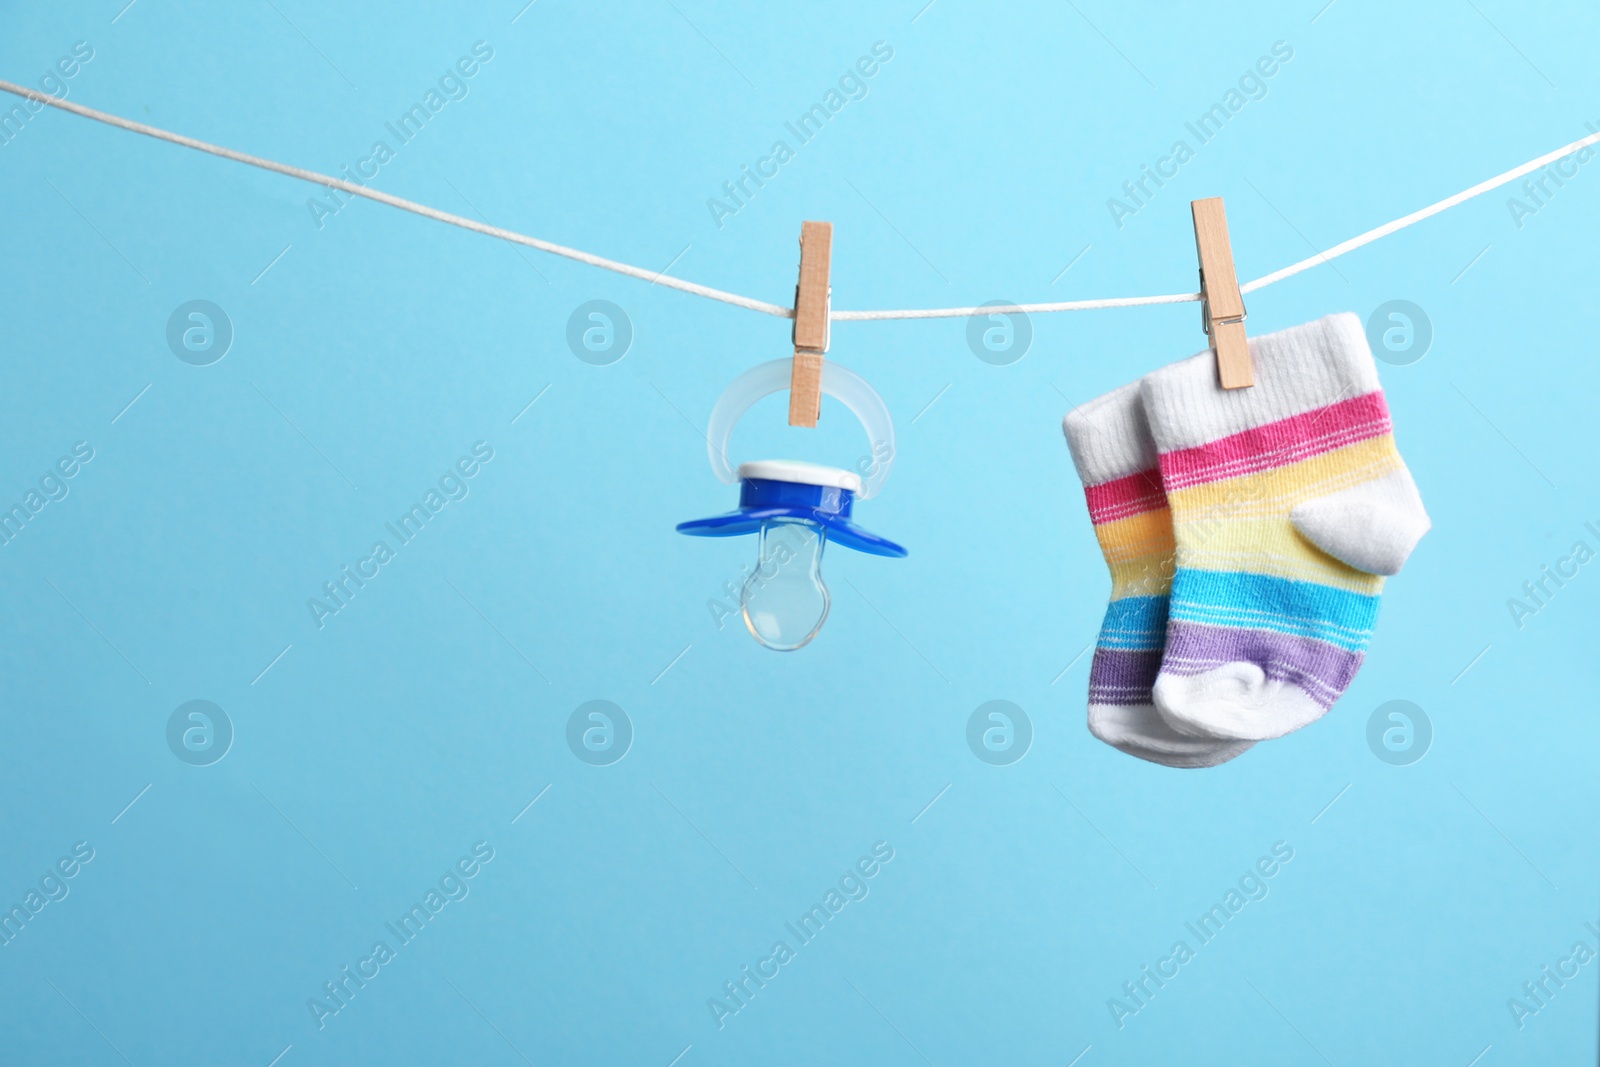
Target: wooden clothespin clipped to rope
(1221,303)
(811,306)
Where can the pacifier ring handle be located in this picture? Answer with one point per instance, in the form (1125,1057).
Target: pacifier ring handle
(845,386)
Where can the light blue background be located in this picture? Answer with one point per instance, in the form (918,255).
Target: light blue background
(425,717)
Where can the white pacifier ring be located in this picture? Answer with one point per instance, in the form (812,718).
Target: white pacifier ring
(845,386)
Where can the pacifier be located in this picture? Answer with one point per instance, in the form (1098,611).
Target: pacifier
(795,508)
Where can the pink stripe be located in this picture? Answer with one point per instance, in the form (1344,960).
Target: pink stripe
(1277,444)
(1130,495)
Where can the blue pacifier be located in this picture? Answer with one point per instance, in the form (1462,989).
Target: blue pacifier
(795,508)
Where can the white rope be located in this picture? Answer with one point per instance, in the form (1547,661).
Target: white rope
(661,278)
(654,277)
(1011,309)
(1428,212)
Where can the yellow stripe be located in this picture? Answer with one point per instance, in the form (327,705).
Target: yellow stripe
(1147,576)
(1139,550)
(1242,524)
(1276,491)
(1147,533)
(1270,546)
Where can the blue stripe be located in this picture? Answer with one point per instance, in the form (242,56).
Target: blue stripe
(1279,605)
(1136,623)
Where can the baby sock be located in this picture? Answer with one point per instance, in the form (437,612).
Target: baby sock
(1116,458)
(1289,501)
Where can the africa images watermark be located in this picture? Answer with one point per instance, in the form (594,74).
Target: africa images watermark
(852,886)
(1251,886)
(52,487)
(453,485)
(1538,992)
(52,82)
(52,888)
(1539,591)
(453,886)
(852,85)
(1252,85)
(451,87)
(783,543)
(1538,190)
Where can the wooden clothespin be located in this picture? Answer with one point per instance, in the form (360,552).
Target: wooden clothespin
(1221,303)
(811,305)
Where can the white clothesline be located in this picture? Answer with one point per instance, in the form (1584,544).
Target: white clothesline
(778,310)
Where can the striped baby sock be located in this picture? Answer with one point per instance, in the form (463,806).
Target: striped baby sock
(1289,501)
(1116,458)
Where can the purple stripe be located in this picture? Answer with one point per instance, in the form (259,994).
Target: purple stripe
(1324,671)
(1123,677)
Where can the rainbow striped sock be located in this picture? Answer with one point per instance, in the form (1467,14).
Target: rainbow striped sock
(1116,458)
(1289,501)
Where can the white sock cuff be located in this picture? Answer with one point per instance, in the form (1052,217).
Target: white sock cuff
(1109,436)
(1296,370)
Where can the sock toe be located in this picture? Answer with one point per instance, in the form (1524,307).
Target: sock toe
(1220,753)
(1139,730)
(1236,701)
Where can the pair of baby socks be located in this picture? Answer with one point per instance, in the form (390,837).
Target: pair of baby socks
(1248,533)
